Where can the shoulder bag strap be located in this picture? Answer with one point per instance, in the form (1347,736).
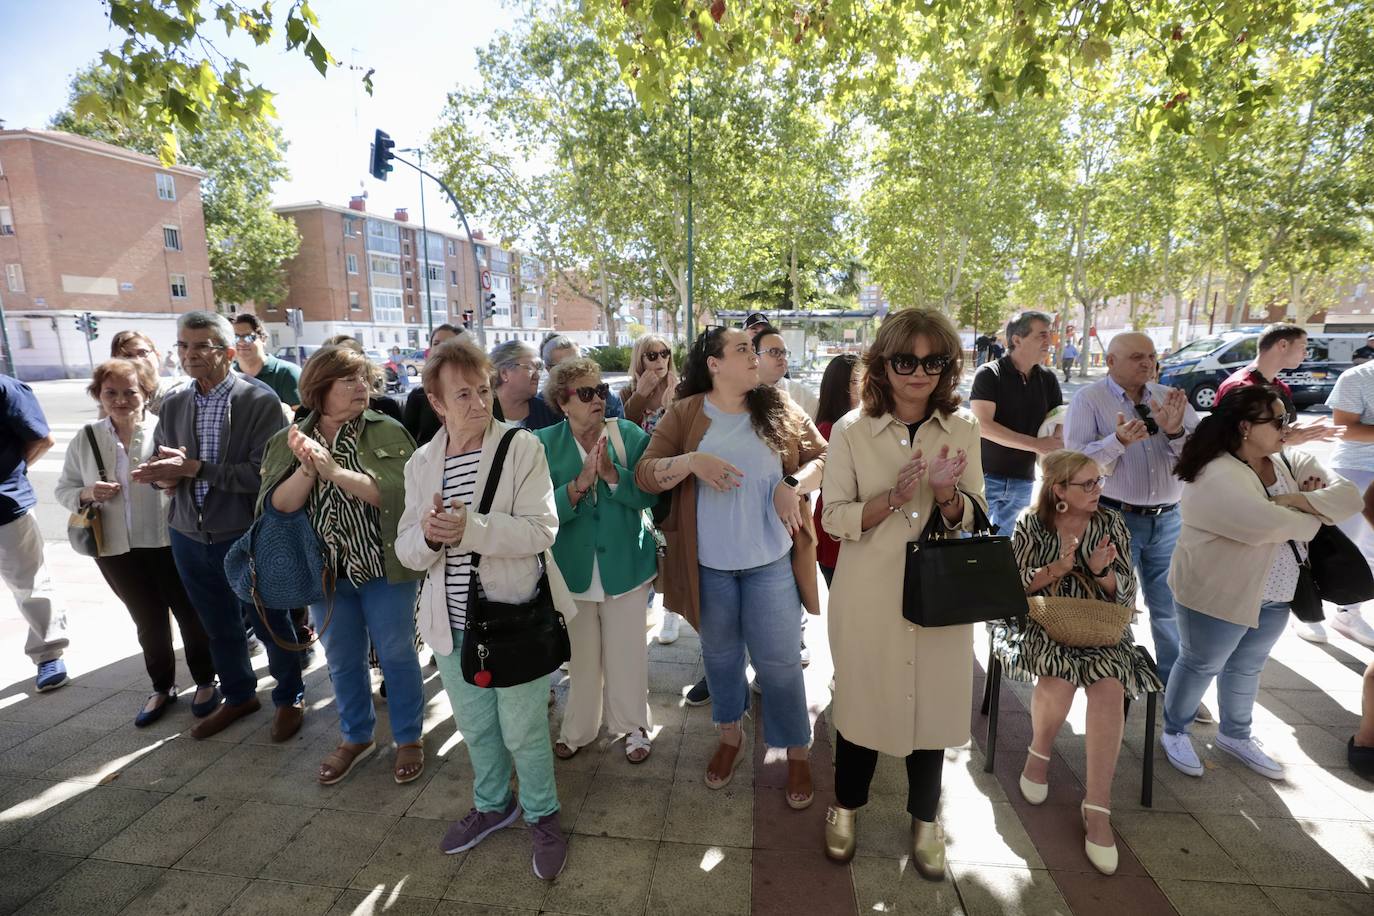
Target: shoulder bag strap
(498,461)
(1291,546)
(95,449)
(613,433)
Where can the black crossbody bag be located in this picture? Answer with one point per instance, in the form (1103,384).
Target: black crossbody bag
(952,580)
(506,645)
(1335,570)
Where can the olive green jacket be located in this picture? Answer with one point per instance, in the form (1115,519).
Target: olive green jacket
(384,447)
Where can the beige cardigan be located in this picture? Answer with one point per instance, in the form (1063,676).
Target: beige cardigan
(1231,531)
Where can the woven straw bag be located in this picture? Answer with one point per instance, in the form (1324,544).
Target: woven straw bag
(1081,623)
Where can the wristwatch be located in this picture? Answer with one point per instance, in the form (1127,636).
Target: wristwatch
(791,481)
(1172,436)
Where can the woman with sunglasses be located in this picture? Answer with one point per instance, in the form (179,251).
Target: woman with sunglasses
(1249,509)
(900,689)
(1072,546)
(652,382)
(741,560)
(607,556)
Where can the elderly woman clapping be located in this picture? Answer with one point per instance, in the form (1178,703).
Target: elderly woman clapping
(607,556)
(345,465)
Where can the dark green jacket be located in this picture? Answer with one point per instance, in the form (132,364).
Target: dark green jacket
(384,447)
(611,530)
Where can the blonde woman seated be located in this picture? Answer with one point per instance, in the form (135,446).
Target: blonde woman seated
(1070,546)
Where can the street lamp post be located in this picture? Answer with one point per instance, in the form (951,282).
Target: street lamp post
(424,241)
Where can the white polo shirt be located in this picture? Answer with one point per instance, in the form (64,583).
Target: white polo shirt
(1354,392)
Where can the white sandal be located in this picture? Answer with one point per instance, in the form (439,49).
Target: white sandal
(1035,792)
(1103,858)
(637,741)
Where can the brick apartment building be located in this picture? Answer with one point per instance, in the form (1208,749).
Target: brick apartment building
(579,317)
(362,274)
(90,227)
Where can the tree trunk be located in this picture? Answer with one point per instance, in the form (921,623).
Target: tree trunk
(794,280)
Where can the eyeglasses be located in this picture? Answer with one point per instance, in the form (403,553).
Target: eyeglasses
(1088,486)
(246,338)
(140,353)
(535,366)
(775,352)
(906,363)
(1279,423)
(199,349)
(587,392)
(654,356)
(1143,411)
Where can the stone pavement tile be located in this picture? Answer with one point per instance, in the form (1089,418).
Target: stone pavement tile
(770,767)
(1172,845)
(86,822)
(498,873)
(92,888)
(330,849)
(1055,833)
(119,708)
(883,826)
(320,722)
(168,831)
(1357,791)
(25,873)
(1269,710)
(1323,707)
(247,771)
(378,903)
(963,776)
(711,817)
(12,733)
(46,749)
(187,893)
(620,806)
(697,751)
(28,804)
(409,862)
(1330,675)
(701,881)
(1090,894)
(668,713)
(788,881)
(990,890)
(777,826)
(461,908)
(247,840)
(604,875)
(175,763)
(1204,898)
(981,832)
(1297,901)
(55,706)
(1219,790)
(1301,793)
(698,721)
(124,673)
(668,678)
(1296,853)
(276,898)
(447,795)
(892,885)
(111,754)
(662,762)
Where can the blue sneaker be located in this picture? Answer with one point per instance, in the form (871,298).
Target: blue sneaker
(51,675)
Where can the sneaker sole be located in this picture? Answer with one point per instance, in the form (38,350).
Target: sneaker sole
(1183,768)
(1353,637)
(535,868)
(1277,776)
(46,687)
(510,819)
(1307,637)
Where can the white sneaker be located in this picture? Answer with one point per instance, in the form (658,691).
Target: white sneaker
(1248,752)
(1179,750)
(1312,632)
(668,632)
(1352,626)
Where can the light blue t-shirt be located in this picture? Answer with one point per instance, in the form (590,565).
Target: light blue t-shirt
(1354,392)
(739,529)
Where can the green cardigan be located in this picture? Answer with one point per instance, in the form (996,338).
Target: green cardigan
(612,529)
(384,447)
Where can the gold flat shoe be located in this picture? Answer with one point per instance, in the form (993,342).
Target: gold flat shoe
(840,833)
(928,849)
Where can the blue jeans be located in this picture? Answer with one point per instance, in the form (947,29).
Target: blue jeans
(383,613)
(201,567)
(1232,653)
(1152,546)
(502,727)
(755,609)
(1007,496)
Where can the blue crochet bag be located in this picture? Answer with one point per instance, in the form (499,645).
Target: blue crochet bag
(281,563)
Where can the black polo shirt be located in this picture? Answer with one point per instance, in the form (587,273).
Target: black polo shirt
(1022,405)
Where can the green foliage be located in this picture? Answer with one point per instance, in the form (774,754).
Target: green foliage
(613,359)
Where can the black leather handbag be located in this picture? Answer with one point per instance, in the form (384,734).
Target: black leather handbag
(1335,571)
(953,578)
(506,645)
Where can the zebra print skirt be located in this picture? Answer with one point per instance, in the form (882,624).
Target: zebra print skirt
(1027,652)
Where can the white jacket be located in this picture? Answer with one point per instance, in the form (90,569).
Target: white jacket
(1232,529)
(511,538)
(137,517)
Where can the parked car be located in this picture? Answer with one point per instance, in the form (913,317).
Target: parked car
(297,353)
(1200,367)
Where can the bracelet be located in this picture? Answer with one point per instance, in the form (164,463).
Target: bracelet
(1098,575)
(945,504)
(890,507)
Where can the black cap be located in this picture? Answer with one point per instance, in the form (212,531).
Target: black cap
(754,318)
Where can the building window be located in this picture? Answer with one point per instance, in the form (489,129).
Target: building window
(353,302)
(453,278)
(383,236)
(410,284)
(178,286)
(381,265)
(166,187)
(171,238)
(25,335)
(435,273)
(386,306)
(14,273)
(6,221)
(452,248)
(352,263)
(410,300)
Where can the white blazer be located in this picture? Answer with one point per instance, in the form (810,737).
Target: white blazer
(512,537)
(137,517)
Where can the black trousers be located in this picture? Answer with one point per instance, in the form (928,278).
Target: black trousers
(854,767)
(146,580)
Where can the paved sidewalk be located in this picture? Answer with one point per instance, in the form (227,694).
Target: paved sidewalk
(97,817)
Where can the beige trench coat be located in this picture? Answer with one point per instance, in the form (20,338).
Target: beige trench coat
(898,687)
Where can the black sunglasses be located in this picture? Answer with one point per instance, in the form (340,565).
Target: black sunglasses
(587,392)
(1279,423)
(711,331)
(654,356)
(1151,426)
(906,363)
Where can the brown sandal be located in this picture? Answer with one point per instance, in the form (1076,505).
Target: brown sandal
(800,790)
(341,761)
(724,762)
(407,756)
(564,752)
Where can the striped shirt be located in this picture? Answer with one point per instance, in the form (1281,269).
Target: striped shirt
(212,410)
(460,482)
(350,528)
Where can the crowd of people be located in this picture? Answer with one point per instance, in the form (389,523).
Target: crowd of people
(518,481)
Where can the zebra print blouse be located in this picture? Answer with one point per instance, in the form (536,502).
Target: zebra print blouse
(350,528)
(1035,546)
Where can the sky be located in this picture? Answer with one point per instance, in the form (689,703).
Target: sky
(420,50)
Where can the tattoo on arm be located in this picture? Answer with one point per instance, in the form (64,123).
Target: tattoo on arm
(671,471)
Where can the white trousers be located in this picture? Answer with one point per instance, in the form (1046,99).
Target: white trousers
(23,570)
(609,669)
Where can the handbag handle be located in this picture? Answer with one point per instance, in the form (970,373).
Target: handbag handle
(932,531)
(1284,458)
(95,449)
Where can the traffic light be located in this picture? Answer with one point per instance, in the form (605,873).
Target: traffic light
(382,155)
(81,326)
(93,325)
(489,305)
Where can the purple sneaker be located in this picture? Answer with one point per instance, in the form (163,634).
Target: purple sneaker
(550,847)
(476,827)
